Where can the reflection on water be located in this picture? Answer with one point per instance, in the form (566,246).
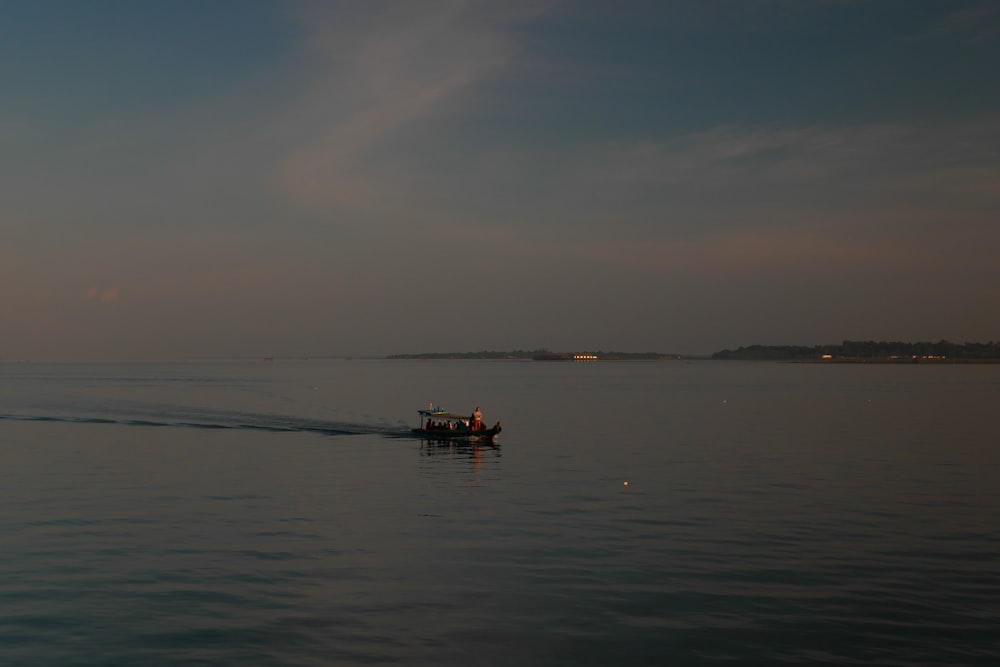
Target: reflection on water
(457,448)
(464,457)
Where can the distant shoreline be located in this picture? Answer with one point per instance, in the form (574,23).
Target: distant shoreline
(918,360)
(543,355)
(443,356)
(847,352)
(870,352)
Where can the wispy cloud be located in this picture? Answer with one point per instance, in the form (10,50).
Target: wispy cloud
(748,170)
(377,74)
(758,198)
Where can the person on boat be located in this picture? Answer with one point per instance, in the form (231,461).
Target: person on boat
(477,420)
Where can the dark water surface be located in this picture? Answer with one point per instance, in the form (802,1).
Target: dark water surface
(252,513)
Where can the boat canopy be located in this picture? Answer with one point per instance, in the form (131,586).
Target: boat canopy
(438,414)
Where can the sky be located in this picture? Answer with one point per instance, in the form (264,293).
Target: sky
(235,178)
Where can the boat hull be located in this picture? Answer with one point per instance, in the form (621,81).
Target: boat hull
(484,435)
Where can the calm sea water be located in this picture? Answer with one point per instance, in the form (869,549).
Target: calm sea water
(633,513)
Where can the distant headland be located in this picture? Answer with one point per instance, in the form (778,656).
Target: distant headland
(542,355)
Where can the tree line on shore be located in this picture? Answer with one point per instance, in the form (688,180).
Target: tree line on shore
(867,349)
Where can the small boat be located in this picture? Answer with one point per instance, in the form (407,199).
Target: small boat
(438,423)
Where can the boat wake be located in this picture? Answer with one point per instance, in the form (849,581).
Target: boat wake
(234,421)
